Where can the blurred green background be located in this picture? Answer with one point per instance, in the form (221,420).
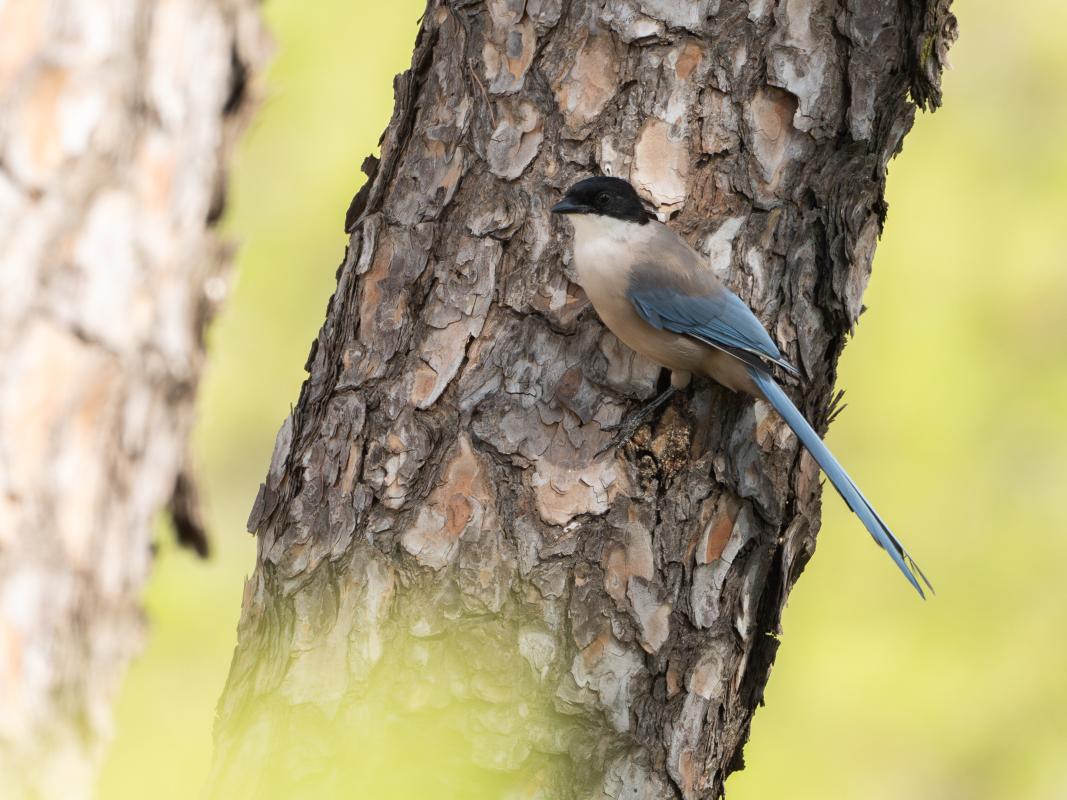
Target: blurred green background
(957,426)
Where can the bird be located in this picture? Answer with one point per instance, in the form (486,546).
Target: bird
(662,299)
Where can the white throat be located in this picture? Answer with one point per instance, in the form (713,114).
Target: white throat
(605,251)
(589,227)
(606,246)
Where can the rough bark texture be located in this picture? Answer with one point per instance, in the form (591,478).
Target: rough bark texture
(115,122)
(434,522)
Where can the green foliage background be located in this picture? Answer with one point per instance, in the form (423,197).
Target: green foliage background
(956,426)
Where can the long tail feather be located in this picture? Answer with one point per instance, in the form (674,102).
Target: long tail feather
(839,478)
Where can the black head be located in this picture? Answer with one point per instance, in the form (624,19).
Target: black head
(610,197)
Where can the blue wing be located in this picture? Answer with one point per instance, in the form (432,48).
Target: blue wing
(694,304)
(708,312)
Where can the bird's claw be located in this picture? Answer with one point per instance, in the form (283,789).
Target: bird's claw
(624,431)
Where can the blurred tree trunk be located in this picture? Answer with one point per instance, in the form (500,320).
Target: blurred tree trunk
(435,529)
(117,119)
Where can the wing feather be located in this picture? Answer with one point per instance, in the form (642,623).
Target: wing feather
(702,309)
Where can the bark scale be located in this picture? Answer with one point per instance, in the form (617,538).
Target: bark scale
(117,119)
(434,527)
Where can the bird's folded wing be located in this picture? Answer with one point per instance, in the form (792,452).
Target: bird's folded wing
(698,306)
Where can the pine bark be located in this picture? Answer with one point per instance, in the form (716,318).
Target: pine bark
(435,526)
(116,119)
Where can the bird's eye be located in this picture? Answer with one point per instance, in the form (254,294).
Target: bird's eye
(603,199)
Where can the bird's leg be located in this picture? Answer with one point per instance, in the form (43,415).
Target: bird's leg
(625,430)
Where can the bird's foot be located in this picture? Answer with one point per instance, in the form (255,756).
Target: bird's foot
(624,431)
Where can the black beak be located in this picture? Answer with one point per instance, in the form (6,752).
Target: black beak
(569,206)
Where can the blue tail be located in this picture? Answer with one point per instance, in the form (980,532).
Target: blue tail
(839,478)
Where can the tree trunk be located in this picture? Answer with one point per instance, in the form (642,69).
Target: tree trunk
(116,123)
(439,547)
